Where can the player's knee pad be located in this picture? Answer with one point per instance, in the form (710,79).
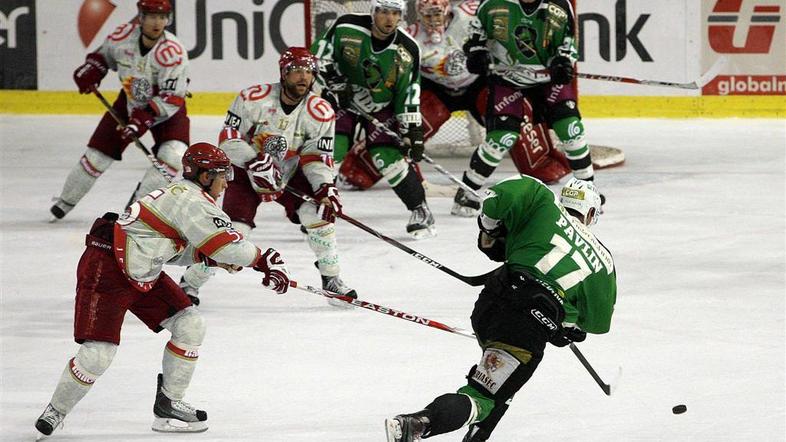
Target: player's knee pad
(502,371)
(95,162)
(171,153)
(561,110)
(496,144)
(187,327)
(92,360)
(390,164)
(570,132)
(322,240)
(503,122)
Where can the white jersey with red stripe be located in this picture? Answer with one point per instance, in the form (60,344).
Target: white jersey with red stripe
(442,60)
(176,225)
(158,78)
(257,113)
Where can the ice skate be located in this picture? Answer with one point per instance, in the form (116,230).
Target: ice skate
(191,292)
(176,416)
(59,209)
(407,427)
(421,223)
(49,420)
(465,204)
(336,285)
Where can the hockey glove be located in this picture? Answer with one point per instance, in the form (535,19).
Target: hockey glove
(567,334)
(276,276)
(339,95)
(89,75)
(477,60)
(141,120)
(491,227)
(494,248)
(413,142)
(561,70)
(331,205)
(264,173)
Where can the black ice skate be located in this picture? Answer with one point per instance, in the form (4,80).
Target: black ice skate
(336,285)
(421,222)
(59,209)
(176,416)
(49,420)
(191,292)
(465,204)
(407,427)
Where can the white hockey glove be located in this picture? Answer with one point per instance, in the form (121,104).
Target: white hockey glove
(264,173)
(276,275)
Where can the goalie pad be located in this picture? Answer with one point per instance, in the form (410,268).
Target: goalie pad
(435,113)
(534,153)
(358,169)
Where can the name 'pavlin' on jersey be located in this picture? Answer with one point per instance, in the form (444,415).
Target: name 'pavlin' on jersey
(585,242)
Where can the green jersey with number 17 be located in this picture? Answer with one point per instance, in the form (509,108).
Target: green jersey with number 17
(553,246)
(390,74)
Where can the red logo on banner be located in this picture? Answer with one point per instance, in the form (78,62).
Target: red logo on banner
(746,85)
(723,23)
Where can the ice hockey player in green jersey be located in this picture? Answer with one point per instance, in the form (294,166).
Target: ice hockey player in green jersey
(369,64)
(558,283)
(528,49)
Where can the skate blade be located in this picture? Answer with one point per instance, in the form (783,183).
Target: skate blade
(171,425)
(426,233)
(393,430)
(340,304)
(464,211)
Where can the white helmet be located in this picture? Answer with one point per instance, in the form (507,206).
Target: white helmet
(398,5)
(581,196)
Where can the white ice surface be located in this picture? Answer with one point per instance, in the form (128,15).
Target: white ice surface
(695,220)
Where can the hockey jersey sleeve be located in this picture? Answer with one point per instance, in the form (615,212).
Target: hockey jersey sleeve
(406,103)
(233,139)
(316,155)
(171,71)
(560,30)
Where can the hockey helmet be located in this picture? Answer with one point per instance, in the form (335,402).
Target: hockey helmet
(581,196)
(428,10)
(297,57)
(204,157)
(154,6)
(396,5)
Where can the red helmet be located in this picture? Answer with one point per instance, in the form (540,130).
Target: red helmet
(297,57)
(201,157)
(154,6)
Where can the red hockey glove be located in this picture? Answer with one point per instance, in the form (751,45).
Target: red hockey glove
(331,205)
(264,173)
(272,266)
(141,120)
(89,75)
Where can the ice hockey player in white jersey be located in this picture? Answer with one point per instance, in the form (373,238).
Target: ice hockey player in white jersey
(153,70)
(280,135)
(121,270)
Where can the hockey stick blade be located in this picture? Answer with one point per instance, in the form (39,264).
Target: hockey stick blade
(719,65)
(607,388)
(384,310)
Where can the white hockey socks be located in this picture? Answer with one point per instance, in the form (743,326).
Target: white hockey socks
(182,351)
(82,177)
(81,372)
(322,241)
(170,155)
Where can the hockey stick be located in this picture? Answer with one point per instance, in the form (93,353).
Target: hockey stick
(696,84)
(384,310)
(157,164)
(426,158)
(470,280)
(607,388)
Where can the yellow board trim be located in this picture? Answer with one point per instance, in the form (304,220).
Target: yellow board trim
(592,106)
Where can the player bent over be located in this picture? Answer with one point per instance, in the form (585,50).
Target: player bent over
(532,46)
(281,135)
(121,270)
(558,284)
(153,70)
(372,66)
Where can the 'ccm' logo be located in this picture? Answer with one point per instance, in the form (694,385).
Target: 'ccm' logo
(722,25)
(8,23)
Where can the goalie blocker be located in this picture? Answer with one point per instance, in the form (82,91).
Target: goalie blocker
(533,155)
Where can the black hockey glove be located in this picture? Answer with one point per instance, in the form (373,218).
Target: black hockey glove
(337,91)
(561,70)
(494,248)
(567,335)
(413,142)
(477,60)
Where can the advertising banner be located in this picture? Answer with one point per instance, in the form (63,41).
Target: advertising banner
(752,35)
(18,44)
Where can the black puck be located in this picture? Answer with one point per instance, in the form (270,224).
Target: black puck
(679,409)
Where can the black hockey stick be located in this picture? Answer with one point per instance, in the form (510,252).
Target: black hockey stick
(157,164)
(607,388)
(470,280)
(384,310)
(371,119)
